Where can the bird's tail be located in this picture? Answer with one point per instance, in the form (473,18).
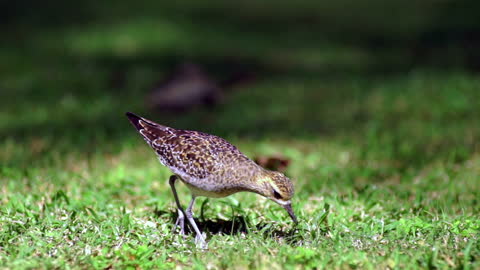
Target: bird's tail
(134,119)
(148,129)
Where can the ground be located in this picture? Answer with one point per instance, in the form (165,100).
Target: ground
(386,165)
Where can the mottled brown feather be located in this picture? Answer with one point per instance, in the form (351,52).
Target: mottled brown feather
(207,163)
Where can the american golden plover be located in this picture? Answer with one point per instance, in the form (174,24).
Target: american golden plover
(210,166)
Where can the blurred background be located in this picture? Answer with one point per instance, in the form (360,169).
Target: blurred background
(399,79)
(371,107)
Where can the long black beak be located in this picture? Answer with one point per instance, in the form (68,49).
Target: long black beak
(289,209)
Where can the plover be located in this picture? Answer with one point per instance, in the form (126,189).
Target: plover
(210,166)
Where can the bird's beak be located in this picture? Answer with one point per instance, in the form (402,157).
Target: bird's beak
(289,209)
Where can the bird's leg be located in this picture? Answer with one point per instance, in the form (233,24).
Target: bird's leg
(199,237)
(181,215)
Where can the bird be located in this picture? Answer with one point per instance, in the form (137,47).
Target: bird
(187,87)
(211,167)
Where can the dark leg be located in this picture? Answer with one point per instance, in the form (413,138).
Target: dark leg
(181,216)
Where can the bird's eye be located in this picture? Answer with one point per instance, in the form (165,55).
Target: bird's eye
(276,195)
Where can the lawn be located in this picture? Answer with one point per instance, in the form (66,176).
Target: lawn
(385,163)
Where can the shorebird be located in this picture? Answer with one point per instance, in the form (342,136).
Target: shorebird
(210,166)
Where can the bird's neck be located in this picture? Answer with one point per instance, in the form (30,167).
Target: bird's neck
(259,181)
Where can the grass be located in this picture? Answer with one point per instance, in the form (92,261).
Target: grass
(386,165)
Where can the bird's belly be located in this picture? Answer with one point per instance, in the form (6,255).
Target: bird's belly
(216,192)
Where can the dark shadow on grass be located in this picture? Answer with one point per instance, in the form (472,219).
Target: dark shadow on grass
(237,226)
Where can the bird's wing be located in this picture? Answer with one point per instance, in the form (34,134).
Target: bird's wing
(193,153)
(189,153)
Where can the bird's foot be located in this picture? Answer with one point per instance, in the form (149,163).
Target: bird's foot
(200,241)
(180,222)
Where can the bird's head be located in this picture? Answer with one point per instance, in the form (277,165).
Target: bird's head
(278,188)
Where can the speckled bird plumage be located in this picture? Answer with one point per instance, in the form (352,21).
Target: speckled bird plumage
(209,165)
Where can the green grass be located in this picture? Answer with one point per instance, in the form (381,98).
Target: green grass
(386,165)
(389,191)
